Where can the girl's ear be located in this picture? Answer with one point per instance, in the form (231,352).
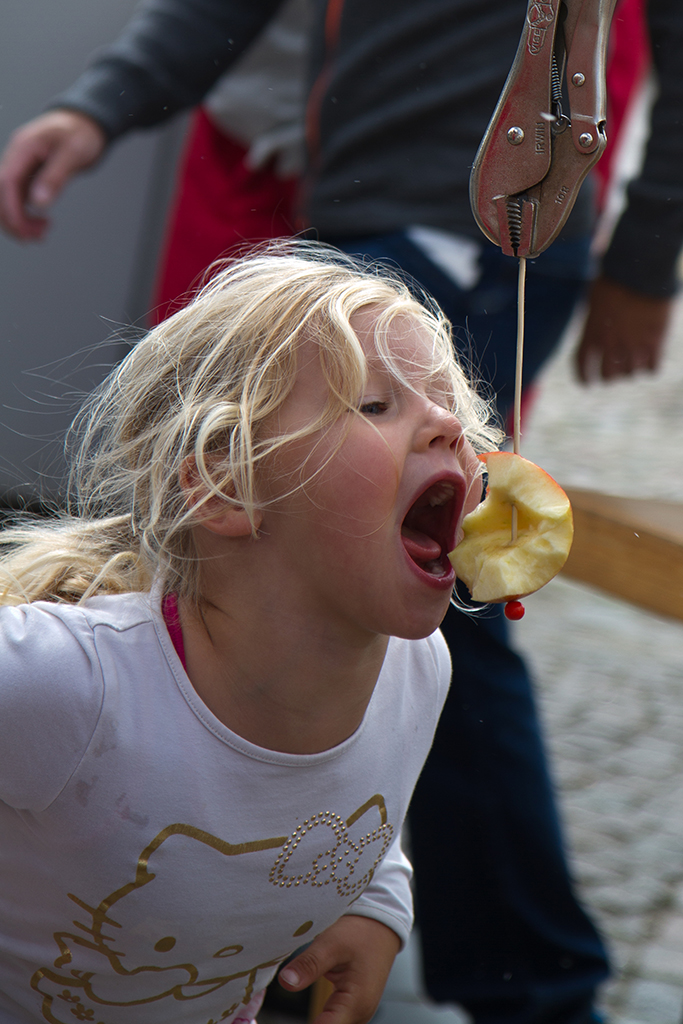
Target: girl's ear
(217,516)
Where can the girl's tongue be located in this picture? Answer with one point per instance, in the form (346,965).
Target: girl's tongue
(419,546)
(425,529)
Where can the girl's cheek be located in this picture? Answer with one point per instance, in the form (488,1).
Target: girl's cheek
(472,468)
(474,494)
(364,492)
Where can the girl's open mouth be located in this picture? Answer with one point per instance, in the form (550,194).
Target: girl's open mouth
(428,530)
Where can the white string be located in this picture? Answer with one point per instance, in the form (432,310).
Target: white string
(517,408)
(517,413)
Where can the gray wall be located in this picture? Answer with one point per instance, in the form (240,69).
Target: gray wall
(93,274)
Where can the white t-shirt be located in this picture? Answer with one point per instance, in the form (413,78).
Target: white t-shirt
(155,866)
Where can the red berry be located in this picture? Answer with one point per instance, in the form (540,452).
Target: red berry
(514,610)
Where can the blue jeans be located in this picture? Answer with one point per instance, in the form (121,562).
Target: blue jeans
(502,932)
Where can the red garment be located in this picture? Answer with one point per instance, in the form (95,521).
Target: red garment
(627,63)
(219,203)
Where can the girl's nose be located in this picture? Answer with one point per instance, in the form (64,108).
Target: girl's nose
(442,428)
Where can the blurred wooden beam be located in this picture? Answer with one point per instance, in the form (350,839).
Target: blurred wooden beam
(321,991)
(629,547)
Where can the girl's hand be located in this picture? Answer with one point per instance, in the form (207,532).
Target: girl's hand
(355,955)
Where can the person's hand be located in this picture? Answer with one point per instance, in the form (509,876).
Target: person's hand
(624,332)
(355,955)
(39,160)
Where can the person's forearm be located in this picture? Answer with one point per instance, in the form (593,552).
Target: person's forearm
(647,240)
(166,59)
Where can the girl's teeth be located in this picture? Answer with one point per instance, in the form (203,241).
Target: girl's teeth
(441,497)
(433,568)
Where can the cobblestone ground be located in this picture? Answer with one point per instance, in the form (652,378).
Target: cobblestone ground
(610,682)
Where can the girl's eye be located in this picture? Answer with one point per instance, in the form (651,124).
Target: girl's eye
(373,408)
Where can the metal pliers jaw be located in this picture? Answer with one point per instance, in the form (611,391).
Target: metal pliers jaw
(534,157)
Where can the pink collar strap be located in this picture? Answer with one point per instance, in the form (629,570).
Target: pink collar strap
(169,610)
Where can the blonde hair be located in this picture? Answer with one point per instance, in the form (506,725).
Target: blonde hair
(198,387)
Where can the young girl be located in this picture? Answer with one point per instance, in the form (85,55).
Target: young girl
(221,676)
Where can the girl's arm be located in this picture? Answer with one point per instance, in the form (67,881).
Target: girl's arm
(355,955)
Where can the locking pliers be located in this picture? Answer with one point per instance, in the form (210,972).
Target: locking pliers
(534,156)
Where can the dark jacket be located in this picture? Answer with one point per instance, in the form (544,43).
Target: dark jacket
(400,94)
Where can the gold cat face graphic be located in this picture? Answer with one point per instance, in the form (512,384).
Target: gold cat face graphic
(98,976)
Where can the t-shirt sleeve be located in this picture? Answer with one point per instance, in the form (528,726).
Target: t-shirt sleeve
(50,699)
(388,898)
(166,59)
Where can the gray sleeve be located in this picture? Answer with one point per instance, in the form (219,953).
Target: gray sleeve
(167,58)
(51,692)
(649,235)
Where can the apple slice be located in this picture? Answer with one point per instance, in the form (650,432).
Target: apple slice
(495,567)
